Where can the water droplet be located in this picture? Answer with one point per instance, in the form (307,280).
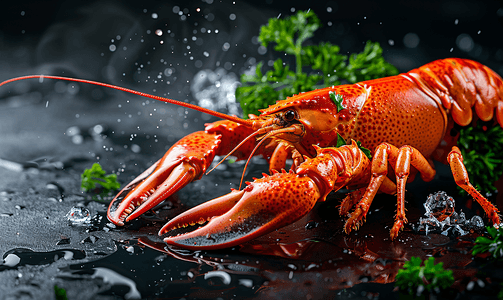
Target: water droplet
(465,42)
(411,40)
(135,148)
(79,216)
(226,278)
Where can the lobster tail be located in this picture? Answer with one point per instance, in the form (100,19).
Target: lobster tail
(460,84)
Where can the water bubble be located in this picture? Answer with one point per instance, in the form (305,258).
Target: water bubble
(112,48)
(232,17)
(176,9)
(456,22)
(158,32)
(329,9)
(154,16)
(391,42)
(262,50)
(206,54)
(226,46)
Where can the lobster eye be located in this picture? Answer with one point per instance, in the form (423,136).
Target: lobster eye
(289,115)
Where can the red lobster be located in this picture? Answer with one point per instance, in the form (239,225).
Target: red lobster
(405,119)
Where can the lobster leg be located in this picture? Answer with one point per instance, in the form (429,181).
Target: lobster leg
(460,174)
(402,159)
(185,161)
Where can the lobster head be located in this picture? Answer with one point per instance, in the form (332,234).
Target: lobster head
(306,119)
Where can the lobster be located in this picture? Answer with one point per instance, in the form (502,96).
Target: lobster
(406,121)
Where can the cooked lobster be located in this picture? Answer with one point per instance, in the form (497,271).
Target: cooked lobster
(405,121)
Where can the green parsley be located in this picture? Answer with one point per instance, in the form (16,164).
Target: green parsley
(364,150)
(482,150)
(342,142)
(337,100)
(493,246)
(96,176)
(414,278)
(327,67)
(60,293)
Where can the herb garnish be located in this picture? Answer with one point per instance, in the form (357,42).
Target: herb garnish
(327,66)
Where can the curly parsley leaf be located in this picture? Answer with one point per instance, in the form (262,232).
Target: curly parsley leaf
(96,176)
(340,141)
(482,150)
(430,276)
(494,246)
(328,67)
(337,100)
(364,150)
(60,293)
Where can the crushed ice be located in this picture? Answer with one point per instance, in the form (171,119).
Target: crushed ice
(441,217)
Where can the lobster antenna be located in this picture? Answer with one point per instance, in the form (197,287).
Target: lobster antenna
(176,102)
(235,148)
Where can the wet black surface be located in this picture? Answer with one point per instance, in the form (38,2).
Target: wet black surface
(51,132)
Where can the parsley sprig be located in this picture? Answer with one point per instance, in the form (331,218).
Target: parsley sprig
(60,293)
(96,176)
(414,278)
(493,246)
(482,150)
(325,65)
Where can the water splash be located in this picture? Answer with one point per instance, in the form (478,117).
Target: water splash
(215,90)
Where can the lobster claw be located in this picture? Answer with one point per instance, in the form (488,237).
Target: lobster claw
(266,204)
(149,189)
(184,162)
